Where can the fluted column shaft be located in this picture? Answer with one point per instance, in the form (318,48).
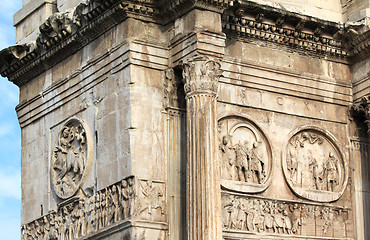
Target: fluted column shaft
(203,173)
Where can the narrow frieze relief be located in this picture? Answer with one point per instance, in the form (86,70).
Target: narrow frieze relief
(81,217)
(245,156)
(314,167)
(201,75)
(70,158)
(253,215)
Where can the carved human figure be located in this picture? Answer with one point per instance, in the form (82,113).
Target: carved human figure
(296,216)
(124,200)
(69,157)
(241,216)
(228,157)
(293,162)
(230,210)
(242,162)
(331,172)
(104,204)
(316,173)
(258,217)
(268,218)
(131,196)
(67,224)
(53,232)
(91,215)
(257,163)
(98,210)
(80,216)
(114,207)
(152,199)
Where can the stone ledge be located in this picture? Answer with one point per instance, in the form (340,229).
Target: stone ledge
(29,9)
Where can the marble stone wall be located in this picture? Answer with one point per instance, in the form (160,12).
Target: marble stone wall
(191,120)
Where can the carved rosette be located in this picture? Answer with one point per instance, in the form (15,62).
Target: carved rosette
(70,158)
(314,167)
(201,76)
(245,156)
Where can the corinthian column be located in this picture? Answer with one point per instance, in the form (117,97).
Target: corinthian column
(203,173)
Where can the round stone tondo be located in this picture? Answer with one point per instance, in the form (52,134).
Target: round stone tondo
(69,159)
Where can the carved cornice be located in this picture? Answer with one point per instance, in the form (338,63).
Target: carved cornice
(65,33)
(361,111)
(171,9)
(359,46)
(201,76)
(250,21)
(62,34)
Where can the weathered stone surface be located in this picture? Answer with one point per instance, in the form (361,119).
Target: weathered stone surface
(192,119)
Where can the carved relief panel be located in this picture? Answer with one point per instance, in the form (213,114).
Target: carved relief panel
(82,217)
(151,200)
(314,166)
(245,156)
(252,215)
(70,158)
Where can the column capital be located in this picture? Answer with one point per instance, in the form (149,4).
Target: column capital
(201,75)
(362,111)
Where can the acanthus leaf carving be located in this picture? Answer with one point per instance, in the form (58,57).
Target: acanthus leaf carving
(362,111)
(201,75)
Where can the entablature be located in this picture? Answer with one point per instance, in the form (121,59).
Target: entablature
(62,34)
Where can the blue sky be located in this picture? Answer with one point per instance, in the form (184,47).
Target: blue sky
(10,149)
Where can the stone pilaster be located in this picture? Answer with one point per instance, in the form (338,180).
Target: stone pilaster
(203,173)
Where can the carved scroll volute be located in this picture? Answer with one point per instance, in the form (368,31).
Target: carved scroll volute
(71,158)
(201,75)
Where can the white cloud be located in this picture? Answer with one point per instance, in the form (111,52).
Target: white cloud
(10,185)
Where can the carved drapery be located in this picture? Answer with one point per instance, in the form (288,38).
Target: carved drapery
(314,166)
(203,189)
(76,218)
(251,215)
(245,156)
(85,216)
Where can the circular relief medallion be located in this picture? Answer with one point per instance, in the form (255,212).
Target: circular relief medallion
(314,167)
(245,156)
(69,160)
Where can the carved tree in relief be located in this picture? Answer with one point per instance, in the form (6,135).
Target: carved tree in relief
(314,167)
(69,159)
(245,156)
